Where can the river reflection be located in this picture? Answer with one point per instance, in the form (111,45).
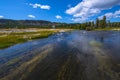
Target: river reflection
(85,55)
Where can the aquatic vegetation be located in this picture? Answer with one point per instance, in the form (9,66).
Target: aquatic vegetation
(94,43)
(78,56)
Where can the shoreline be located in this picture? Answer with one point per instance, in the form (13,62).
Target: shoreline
(108,29)
(15,36)
(10,37)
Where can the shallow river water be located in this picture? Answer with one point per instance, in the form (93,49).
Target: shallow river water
(79,55)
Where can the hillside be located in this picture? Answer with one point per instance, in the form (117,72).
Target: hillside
(8,23)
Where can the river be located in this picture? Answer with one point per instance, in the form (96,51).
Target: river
(78,55)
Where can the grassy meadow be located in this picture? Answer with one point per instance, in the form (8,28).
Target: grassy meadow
(116,29)
(12,37)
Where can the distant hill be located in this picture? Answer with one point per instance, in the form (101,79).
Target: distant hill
(8,23)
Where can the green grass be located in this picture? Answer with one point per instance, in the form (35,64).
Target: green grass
(105,29)
(14,38)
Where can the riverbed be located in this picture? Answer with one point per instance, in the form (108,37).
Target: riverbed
(79,55)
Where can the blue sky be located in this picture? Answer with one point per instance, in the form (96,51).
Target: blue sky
(60,10)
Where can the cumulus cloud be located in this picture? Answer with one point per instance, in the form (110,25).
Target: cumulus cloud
(88,8)
(116,14)
(40,6)
(31,16)
(1,16)
(58,17)
(78,19)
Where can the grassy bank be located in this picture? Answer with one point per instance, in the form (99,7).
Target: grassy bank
(8,38)
(108,29)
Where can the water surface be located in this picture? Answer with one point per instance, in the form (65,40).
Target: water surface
(79,55)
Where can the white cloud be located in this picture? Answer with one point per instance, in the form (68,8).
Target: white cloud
(58,17)
(88,8)
(40,6)
(80,20)
(1,16)
(116,14)
(108,15)
(31,16)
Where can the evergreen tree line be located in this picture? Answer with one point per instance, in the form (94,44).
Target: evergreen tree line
(99,23)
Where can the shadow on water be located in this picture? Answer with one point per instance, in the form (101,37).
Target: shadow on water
(79,55)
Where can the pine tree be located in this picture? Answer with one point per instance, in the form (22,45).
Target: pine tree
(109,24)
(97,23)
(104,22)
(92,23)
